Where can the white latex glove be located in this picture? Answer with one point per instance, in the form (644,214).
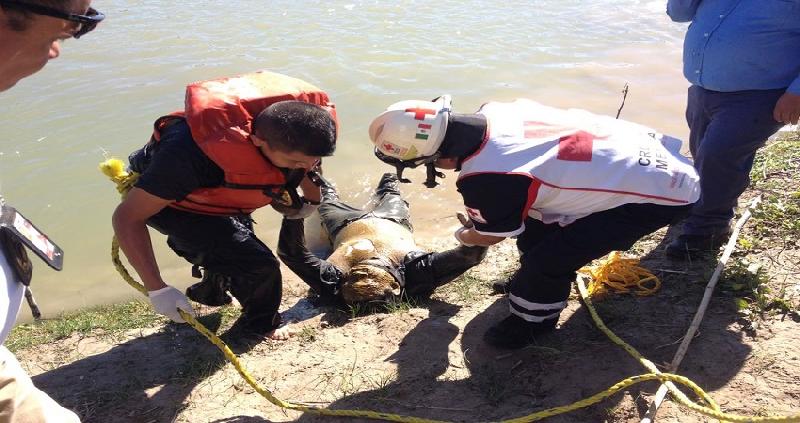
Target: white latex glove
(303,212)
(459,232)
(168,300)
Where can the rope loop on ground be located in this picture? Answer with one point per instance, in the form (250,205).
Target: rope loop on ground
(621,275)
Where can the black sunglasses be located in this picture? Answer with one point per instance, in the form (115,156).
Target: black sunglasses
(87,22)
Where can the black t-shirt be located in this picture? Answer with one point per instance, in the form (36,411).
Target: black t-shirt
(497,203)
(177,166)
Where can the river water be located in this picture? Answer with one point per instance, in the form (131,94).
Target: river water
(100,98)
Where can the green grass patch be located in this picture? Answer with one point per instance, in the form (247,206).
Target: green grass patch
(392,305)
(110,320)
(307,335)
(774,175)
(228,314)
(468,288)
(471,286)
(778,217)
(779,157)
(749,284)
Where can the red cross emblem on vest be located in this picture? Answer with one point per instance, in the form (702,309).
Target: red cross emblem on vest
(419,114)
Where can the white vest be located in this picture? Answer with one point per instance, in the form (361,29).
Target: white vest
(581,163)
(11,293)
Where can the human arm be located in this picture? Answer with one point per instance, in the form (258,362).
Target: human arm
(312,196)
(170,171)
(496,205)
(322,276)
(424,272)
(470,237)
(311,190)
(130,227)
(682,10)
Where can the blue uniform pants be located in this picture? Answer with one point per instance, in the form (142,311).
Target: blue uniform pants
(726,130)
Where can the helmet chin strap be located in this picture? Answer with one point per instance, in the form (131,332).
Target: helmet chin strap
(432,173)
(401,165)
(398,169)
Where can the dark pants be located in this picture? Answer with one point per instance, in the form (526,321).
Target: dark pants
(726,130)
(551,254)
(228,246)
(335,214)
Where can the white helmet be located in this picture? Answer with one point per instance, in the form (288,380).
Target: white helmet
(411,129)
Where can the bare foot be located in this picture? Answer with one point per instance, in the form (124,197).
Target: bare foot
(282,333)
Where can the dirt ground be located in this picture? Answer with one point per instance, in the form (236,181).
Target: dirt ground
(428,359)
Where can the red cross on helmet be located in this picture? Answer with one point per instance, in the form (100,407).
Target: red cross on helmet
(411,129)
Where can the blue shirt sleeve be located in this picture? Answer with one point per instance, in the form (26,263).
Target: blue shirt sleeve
(682,10)
(795,87)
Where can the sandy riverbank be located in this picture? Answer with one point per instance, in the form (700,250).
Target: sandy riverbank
(124,364)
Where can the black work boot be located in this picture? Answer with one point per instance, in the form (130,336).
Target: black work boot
(693,247)
(514,332)
(211,290)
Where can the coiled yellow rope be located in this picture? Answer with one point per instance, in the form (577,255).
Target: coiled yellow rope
(620,275)
(117,174)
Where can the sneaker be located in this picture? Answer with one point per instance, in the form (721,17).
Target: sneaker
(514,332)
(211,290)
(695,246)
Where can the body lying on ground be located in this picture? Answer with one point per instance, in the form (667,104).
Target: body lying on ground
(374,253)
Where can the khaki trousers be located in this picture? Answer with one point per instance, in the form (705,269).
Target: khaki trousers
(21,402)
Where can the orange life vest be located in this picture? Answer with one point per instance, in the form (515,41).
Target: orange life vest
(220,114)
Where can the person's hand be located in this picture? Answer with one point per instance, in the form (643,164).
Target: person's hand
(465,221)
(466,224)
(168,300)
(311,189)
(303,212)
(787,110)
(477,239)
(459,234)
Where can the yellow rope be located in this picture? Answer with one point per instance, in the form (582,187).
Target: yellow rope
(620,275)
(711,411)
(245,375)
(115,170)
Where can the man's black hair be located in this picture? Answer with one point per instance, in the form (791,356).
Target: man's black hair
(297,126)
(19,19)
